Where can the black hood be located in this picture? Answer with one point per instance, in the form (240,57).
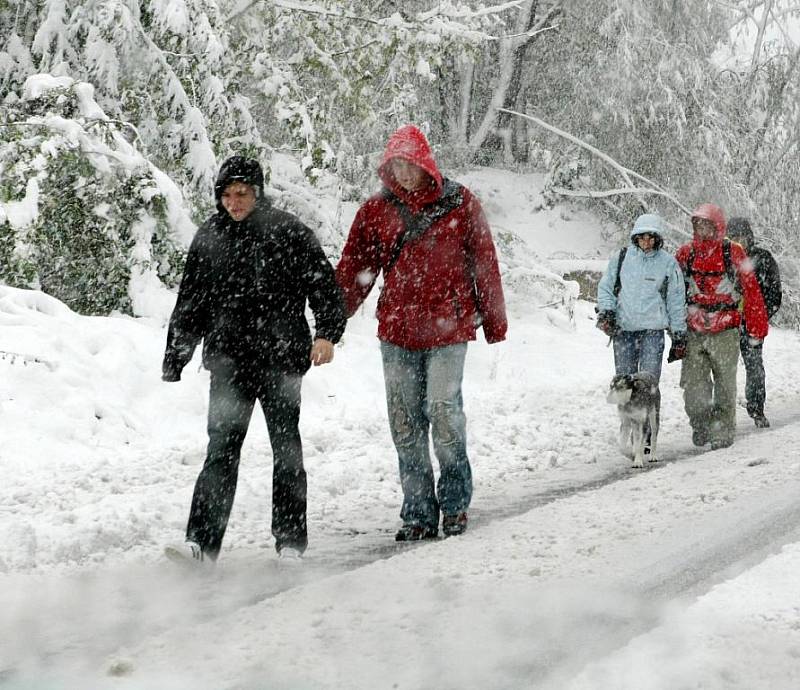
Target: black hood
(239,169)
(739,229)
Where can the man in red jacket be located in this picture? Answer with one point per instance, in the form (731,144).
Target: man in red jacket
(718,277)
(430,239)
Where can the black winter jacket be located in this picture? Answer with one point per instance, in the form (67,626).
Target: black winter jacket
(244,292)
(769,278)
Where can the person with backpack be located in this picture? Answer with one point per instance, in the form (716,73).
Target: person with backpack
(429,238)
(250,271)
(640,295)
(769,280)
(722,293)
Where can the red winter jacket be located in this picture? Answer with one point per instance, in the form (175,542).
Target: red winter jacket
(445,283)
(713,300)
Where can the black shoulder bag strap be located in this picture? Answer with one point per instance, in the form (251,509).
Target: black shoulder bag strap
(618,281)
(415,225)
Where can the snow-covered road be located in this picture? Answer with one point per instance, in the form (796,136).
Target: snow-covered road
(570,555)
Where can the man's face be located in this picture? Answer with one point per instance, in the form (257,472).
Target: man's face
(410,177)
(703,228)
(239,200)
(739,240)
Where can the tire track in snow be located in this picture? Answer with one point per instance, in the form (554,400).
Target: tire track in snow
(735,538)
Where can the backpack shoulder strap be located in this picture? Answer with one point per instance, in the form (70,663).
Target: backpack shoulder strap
(618,280)
(726,257)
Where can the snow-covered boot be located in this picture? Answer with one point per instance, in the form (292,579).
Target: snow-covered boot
(453,525)
(187,552)
(415,532)
(290,555)
(761,421)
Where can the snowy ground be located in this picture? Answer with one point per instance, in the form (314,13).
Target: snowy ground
(576,572)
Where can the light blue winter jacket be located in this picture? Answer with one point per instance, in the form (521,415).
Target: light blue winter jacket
(640,304)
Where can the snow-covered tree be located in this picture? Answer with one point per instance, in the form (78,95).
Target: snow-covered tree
(164,66)
(83,216)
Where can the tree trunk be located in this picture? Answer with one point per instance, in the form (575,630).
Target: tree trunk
(510,58)
(505,124)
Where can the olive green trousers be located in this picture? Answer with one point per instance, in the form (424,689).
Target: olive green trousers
(708,379)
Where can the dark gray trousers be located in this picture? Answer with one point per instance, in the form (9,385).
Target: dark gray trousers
(231,401)
(755,389)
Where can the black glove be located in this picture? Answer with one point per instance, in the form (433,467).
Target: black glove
(171,376)
(678,348)
(170,370)
(607,322)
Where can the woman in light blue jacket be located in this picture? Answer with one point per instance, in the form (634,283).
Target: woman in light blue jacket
(642,294)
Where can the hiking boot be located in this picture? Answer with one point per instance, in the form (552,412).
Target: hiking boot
(453,525)
(699,437)
(415,532)
(761,421)
(189,552)
(717,444)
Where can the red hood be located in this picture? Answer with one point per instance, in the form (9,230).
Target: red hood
(715,215)
(410,143)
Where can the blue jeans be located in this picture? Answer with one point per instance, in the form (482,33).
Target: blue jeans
(640,351)
(423,395)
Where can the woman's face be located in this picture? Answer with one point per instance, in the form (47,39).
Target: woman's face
(646,241)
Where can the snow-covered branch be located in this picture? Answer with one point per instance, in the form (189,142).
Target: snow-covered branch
(242,10)
(532,32)
(316,9)
(468,13)
(595,194)
(624,172)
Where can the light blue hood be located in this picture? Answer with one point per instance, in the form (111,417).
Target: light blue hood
(651,223)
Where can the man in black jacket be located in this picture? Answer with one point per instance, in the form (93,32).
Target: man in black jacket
(769,279)
(249,272)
